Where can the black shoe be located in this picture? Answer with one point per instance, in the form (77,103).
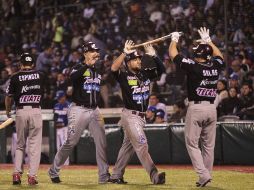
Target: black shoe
(204,184)
(118,181)
(161,178)
(55,180)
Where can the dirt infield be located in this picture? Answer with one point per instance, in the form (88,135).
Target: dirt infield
(238,168)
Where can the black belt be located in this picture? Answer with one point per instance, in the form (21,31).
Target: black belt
(33,106)
(141,114)
(199,102)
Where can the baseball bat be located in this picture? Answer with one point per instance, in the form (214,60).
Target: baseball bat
(6,123)
(155,40)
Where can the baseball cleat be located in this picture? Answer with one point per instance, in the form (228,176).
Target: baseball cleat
(161,178)
(32,180)
(55,180)
(203,184)
(118,181)
(16,179)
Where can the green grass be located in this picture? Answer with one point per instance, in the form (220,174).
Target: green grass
(179,179)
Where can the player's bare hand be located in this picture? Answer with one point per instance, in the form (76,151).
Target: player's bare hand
(175,36)
(204,34)
(150,50)
(127,47)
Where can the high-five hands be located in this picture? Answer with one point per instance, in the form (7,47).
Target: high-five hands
(204,34)
(150,50)
(127,47)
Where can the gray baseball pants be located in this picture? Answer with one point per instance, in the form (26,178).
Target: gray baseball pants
(28,126)
(134,141)
(79,119)
(200,125)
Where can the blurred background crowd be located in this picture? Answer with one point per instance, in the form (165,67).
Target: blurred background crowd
(54,30)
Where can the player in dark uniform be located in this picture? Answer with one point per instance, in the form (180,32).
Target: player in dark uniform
(26,88)
(84,113)
(135,85)
(202,76)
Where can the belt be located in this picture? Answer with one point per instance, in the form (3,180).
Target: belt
(33,106)
(202,102)
(85,106)
(141,114)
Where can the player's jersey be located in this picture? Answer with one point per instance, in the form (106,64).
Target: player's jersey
(60,113)
(136,87)
(26,87)
(86,85)
(201,77)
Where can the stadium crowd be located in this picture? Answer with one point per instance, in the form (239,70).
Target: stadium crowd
(53,31)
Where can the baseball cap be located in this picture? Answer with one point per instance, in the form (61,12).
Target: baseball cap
(60,94)
(234,77)
(131,56)
(151,108)
(89,46)
(160,113)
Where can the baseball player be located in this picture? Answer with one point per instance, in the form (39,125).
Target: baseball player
(202,75)
(83,113)
(26,89)
(135,86)
(61,120)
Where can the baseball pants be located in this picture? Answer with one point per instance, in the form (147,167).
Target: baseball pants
(200,125)
(61,136)
(28,127)
(134,141)
(79,119)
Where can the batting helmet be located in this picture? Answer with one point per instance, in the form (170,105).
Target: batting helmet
(90,46)
(203,51)
(26,59)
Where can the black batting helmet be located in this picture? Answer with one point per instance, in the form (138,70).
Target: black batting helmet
(203,51)
(26,59)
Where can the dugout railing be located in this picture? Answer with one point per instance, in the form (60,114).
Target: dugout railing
(234,143)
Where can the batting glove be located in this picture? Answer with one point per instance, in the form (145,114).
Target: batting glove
(175,36)
(204,34)
(127,47)
(150,50)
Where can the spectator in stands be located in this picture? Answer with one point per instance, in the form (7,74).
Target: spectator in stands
(247,102)
(230,105)
(179,113)
(222,92)
(234,81)
(44,60)
(150,114)
(154,101)
(160,115)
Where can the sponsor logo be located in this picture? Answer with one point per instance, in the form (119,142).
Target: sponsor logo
(189,61)
(208,73)
(207,82)
(33,76)
(26,88)
(206,92)
(30,99)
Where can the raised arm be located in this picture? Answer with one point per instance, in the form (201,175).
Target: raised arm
(159,64)
(172,50)
(119,60)
(205,38)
